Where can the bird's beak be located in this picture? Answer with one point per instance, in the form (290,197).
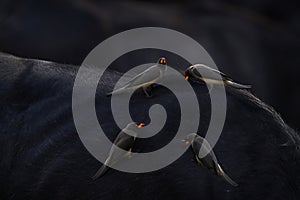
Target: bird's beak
(140,125)
(186,77)
(186,142)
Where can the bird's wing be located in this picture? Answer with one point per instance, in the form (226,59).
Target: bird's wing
(209,160)
(148,76)
(238,85)
(223,75)
(123,141)
(225,176)
(210,79)
(202,142)
(100,172)
(209,69)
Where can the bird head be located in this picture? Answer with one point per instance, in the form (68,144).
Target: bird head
(189,138)
(187,73)
(162,61)
(133,128)
(134,125)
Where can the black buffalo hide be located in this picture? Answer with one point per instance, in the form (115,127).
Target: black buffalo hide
(42,157)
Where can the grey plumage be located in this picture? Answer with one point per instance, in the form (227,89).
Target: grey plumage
(210,160)
(123,141)
(193,71)
(145,79)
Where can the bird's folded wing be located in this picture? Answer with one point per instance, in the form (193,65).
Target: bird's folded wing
(147,76)
(210,72)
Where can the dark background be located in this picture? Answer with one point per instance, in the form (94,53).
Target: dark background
(255,42)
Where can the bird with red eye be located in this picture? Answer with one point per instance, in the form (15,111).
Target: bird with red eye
(200,146)
(146,79)
(123,141)
(197,71)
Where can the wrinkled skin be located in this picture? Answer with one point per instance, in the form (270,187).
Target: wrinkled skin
(41,156)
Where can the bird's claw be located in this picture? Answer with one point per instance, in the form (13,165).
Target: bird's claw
(146,91)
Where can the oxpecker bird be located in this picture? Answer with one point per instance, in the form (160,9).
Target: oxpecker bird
(145,79)
(208,75)
(123,141)
(209,160)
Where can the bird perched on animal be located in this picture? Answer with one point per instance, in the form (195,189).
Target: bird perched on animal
(208,75)
(145,79)
(123,141)
(209,160)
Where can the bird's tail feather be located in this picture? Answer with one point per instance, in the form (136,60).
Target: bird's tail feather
(117,91)
(225,176)
(100,172)
(238,85)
